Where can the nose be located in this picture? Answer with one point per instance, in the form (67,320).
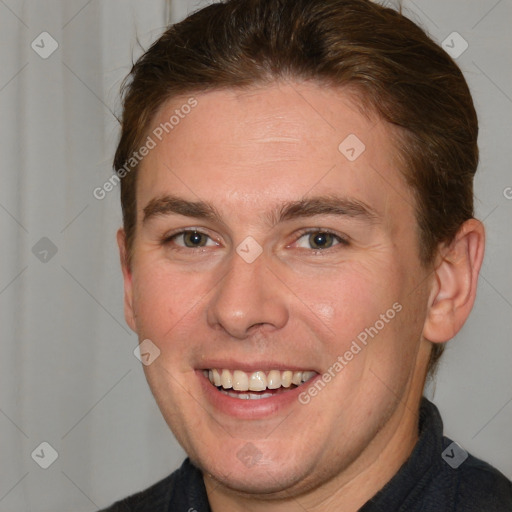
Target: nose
(247,298)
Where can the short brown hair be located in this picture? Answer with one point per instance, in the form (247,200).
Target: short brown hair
(387,60)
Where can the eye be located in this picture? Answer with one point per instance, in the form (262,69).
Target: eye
(319,240)
(191,239)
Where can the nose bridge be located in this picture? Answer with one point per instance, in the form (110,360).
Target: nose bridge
(248,295)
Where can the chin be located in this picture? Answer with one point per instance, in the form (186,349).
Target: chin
(248,471)
(267,482)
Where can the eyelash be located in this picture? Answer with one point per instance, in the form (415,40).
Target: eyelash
(341,240)
(169,238)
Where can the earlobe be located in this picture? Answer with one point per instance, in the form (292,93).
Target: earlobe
(127,279)
(455,282)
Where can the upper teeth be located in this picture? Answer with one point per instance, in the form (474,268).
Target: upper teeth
(257,381)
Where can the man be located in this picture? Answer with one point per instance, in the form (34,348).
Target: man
(298,244)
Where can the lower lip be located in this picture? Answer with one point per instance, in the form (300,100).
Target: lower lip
(247,408)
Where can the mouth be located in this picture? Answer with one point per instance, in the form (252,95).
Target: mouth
(256,385)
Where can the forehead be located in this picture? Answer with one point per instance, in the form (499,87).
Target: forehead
(246,149)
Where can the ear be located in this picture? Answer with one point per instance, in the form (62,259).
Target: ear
(454,287)
(127,278)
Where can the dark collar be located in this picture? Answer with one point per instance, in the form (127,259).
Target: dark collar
(409,483)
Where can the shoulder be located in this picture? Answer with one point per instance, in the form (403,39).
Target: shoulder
(468,484)
(479,486)
(441,476)
(154,498)
(455,480)
(173,491)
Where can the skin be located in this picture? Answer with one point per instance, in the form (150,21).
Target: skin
(247,152)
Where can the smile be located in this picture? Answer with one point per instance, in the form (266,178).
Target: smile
(258,384)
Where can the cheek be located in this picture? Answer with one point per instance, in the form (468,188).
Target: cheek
(161,300)
(325,311)
(344,301)
(365,314)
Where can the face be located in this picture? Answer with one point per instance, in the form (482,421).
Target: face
(275,266)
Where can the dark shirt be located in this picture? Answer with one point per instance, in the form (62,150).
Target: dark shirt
(437,477)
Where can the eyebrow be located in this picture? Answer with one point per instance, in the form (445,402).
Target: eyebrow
(303,208)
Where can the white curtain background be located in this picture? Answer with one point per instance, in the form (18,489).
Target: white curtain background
(68,376)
